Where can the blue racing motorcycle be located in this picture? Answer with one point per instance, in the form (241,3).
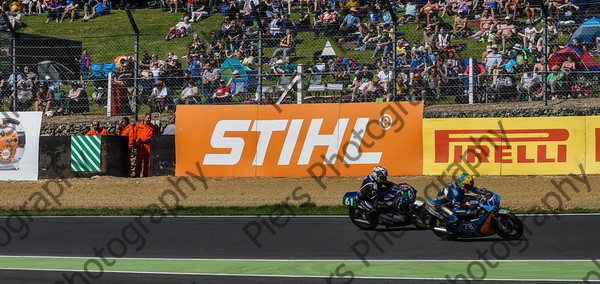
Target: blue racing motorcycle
(411,211)
(484,219)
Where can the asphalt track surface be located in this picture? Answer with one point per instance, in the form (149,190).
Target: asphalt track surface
(550,237)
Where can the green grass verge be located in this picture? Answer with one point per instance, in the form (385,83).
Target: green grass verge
(275,209)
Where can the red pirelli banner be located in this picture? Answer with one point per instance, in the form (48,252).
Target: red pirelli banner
(511,146)
(299,140)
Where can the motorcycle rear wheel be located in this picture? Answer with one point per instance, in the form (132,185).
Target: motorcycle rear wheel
(365,224)
(508,226)
(423,221)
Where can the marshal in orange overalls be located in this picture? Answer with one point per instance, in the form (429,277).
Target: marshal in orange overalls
(143,132)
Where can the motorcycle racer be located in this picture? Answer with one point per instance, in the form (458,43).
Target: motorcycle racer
(373,189)
(449,199)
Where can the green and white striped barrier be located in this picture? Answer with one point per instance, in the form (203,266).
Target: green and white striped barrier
(86,153)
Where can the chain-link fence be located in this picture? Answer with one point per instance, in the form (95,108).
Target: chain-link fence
(148,59)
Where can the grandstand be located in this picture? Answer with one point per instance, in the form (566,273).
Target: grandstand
(451,52)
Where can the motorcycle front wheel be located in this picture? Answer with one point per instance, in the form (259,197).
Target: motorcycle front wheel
(360,219)
(422,220)
(508,226)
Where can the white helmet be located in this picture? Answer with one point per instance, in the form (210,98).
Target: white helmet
(379,174)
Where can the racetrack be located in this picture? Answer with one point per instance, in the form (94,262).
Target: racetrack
(216,249)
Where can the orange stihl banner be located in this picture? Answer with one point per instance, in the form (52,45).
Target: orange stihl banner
(299,140)
(510,146)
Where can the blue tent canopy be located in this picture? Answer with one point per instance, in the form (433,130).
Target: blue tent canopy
(587,32)
(230,65)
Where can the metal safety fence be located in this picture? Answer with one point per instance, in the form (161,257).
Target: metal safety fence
(440,52)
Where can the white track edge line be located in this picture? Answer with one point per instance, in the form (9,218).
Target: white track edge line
(291,260)
(287,276)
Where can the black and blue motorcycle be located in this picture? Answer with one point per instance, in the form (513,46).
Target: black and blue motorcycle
(412,211)
(485,219)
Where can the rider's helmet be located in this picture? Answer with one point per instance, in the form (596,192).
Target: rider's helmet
(379,174)
(465,181)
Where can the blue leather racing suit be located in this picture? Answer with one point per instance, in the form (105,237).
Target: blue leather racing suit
(449,199)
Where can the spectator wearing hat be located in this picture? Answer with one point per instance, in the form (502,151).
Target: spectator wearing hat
(419,87)
(506,32)
(532,53)
(24,95)
(54,86)
(44,97)
(170,128)
(518,57)
(429,38)
(173,73)
(222,93)
(529,34)
(493,59)
(97,129)
(157,99)
(350,24)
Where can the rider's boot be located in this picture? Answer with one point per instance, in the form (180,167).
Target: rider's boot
(452,229)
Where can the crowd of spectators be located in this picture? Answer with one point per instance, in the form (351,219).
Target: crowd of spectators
(427,62)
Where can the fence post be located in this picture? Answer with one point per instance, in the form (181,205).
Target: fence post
(300,85)
(256,14)
(394,19)
(109,96)
(471,87)
(259,92)
(544,50)
(13,40)
(135,64)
